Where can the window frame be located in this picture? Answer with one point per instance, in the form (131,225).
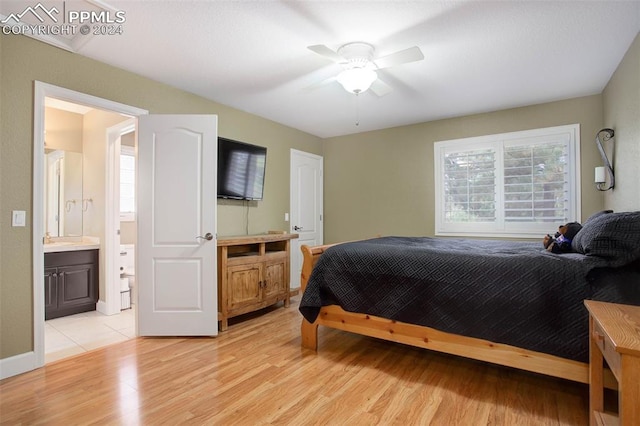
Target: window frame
(501,228)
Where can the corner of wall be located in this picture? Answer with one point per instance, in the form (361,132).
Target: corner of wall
(621,101)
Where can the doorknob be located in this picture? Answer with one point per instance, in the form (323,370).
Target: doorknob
(208,236)
(297,228)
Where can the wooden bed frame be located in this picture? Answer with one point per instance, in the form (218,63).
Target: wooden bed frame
(425,337)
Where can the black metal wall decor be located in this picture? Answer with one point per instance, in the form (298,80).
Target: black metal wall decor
(600,181)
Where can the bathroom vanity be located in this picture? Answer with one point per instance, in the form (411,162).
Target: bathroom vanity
(70,279)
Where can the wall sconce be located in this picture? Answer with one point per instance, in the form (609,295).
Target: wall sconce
(600,171)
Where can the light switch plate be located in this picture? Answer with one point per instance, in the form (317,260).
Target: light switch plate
(18,218)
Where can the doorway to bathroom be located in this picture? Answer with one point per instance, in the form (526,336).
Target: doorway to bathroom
(170,151)
(77,154)
(97,144)
(70,211)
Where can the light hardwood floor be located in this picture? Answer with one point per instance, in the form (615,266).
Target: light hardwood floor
(256,373)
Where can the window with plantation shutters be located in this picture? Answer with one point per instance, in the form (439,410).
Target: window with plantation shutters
(470,186)
(519,184)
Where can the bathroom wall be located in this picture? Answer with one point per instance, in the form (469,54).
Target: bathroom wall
(72,205)
(63,130)
(95,126)
(128,229)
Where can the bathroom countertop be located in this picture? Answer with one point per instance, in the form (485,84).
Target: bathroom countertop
(72,244)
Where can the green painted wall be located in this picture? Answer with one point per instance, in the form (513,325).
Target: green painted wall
(622,114)
(382,183)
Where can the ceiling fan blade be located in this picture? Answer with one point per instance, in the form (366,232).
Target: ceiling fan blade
(380,88)
(411,54)
(324,51)
(319,84)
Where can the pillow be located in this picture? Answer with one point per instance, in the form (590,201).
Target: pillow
(598,214)
(612,236)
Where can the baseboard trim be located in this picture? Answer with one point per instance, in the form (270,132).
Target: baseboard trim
(101,307)
(17,364)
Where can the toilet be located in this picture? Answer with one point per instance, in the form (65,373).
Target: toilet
(127,274)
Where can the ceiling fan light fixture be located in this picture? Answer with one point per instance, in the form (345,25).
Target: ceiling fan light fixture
(357,80)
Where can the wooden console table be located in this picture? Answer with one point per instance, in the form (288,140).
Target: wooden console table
(253,272)
(614,332)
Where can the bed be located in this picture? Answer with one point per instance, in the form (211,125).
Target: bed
(505,302)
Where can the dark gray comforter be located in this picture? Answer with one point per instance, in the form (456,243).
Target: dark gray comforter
(506,292)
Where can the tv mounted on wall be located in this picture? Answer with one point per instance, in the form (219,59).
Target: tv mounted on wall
(241,168)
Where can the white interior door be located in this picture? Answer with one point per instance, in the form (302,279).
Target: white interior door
(306,207)
(176,254)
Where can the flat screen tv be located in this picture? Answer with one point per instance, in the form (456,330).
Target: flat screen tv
(241,169)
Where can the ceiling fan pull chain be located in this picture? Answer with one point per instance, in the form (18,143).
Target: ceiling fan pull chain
(357,109)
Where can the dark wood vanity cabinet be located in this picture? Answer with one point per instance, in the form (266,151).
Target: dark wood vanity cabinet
(70,282)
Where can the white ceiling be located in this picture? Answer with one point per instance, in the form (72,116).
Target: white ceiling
(480,56)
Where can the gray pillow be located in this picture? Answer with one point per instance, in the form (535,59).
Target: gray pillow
(598,214)
(614,236)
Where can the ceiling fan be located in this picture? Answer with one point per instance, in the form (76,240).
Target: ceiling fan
(360,65)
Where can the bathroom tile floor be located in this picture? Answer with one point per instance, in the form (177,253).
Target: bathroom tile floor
(75,334)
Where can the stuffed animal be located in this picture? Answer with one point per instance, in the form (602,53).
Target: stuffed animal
(561,242)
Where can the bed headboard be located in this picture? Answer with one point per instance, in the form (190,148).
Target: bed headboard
(310,256)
